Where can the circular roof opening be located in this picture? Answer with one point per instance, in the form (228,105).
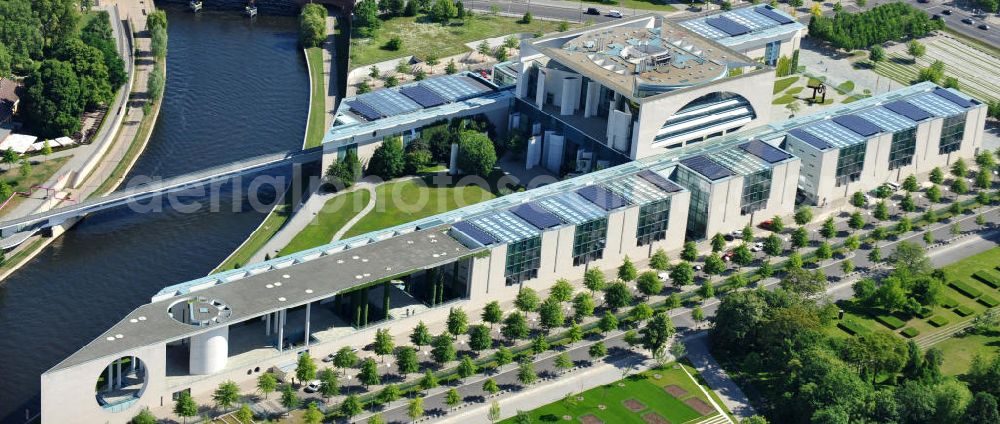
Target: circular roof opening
(199,311)
(121,383)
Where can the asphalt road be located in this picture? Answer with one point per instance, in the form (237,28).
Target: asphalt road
(563,11)
(954,21)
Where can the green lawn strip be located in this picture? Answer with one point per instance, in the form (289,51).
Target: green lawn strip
(988,301)
(965,289)
(910,332)
(782,84)
(267,229)
(987,277)
(851,327)
(845,87)
(964,311)
(948,302)
(421,37)
(317,99)
(335,213)
(404,201)
(938,321)
(604,5)
(795,90)
(960,350)
(784,99)
(890,321)
(642,387)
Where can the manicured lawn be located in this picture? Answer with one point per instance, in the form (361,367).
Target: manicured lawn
(267,229)
(958,351)
(336,212)
(784,99)
(40,173)
(404,201)
(643,392)
(421,37)
(317,99)
(782,84)
(632,4)
(845,87)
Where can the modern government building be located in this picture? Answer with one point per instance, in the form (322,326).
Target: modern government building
(618,94)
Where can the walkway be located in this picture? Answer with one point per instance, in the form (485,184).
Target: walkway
(329,69)
(368,208)
(716,377)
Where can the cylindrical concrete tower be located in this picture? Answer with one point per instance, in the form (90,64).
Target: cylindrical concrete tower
(209,351)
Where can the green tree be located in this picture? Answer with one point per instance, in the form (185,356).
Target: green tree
(492,313)
(907,204)
(707,290)
(267,384)
(981,410)
(428,381)
(550,314)
(959,186)
(608,322)
(659,261)
(458,322)
(452,398)
(777,224)
(526,374)
(627,270)
(476,154)
(466,367)
(597,350)
(773,245)
(420,336)
(563,361)
(345,358)
(583,306)
(312,415)
(682,274)
(289,399)
(366,15)
(875,255)
(718,243)
(184,406)
(515,327)
(649,283)
(934,194)
(305,370)
(377,417)
(369,375)
(800,237)
(244,415)
(54,99)
(527,300)
(443,11)
(490,386)
(146,417)
(351,406)
(824,251)
(960,169)
(328,385)
(384,344)
(641,312)
(494,413)
(593,280)
(617,295)
(803,215)
(689,252)
(714,265)
(800,281)
(503,356)
(657,332)
(936,176)
(480,338)
(226,395)
(561,291)
(406,360)
(387,161)
(312,25)
(742,255)
(698,315)
(451,68)
(876,54)
(443,349)
(915,49)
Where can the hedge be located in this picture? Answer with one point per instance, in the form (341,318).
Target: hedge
(938,321)
(948,302)
(988,301)
(890,321)
(910,332)
(965,289)
(987,278)
(925,312)
(851,327)
(964,311)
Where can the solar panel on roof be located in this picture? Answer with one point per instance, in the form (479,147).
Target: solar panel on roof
(478,235)
(770,13)
(728,26)
(364,110)
(709,168)
(422,95)
(908,110)
(602,197)
(954,98)
(809,138)
(389,102)
(859,125)
(765,151)
(659,181)
(536,215)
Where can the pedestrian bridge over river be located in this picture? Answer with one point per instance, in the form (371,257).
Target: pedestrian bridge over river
(16,231)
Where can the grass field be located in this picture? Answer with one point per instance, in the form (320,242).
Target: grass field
(317,99)
(958,351)
(619,400)
(40,173)
(974,66)
(421,37)
(335,213)
(782,84)
(946,312)
(404,201)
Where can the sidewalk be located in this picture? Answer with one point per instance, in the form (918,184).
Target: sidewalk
(329,69)
(716,377)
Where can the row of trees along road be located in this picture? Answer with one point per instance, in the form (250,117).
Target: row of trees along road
(67,69)
(886,22)
(777,343)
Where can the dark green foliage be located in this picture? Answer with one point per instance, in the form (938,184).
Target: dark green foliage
(886,22)
(312,25)
(387,161)
(476,153)
(55,99)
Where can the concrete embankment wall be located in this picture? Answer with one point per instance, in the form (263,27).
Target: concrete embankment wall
(270,7)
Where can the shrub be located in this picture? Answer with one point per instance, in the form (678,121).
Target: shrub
(987,278)
(851,327)
(964,311)
(395,43)
(910,332)
(890,321)
(988,301)
(948,302)
(938,321)
(965,289)
(925,312)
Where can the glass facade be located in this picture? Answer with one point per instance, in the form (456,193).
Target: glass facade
(653,221)
(850,163)
(771,52)
(589,240)
(952,132)
(698,212)
(756,191)
(523,260)
(904,143)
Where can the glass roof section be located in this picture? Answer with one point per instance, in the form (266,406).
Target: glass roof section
(707,167)
(859,125)
(636,190)
(752,18)
(887,119)
(728,26)
(834,134)
(478,235)
(602,197)
(770,13)
(955,98)
(572,208)
(455,87)
(659,180)
(536,215)
(936,105)
(908,110)
(761,21)
(737,160)
(767,152)
(504,226)
(389,102)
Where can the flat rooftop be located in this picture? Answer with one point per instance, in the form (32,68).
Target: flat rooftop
(743,25)
(645,54)
(256,295)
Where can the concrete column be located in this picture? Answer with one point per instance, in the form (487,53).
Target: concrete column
(308,310)
(267,325)
(132,367)
(281,330)
(209,351)
(453,162)
(118,383)
(110,376)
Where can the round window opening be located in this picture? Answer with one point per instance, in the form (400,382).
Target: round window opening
(199,311)
(121,383)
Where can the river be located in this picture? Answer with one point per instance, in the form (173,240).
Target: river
(236,88)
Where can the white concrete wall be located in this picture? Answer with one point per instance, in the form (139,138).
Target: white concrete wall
(209,351)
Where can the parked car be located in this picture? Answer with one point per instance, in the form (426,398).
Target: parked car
(728,256)
(937,17)
(984,27)
(697,267)
(614,13)
(946,12)
(312,386)
(967,21)
(593,11)
(664,276)
(328,358)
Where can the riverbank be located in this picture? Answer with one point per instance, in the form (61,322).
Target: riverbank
(100,175)
(315,128)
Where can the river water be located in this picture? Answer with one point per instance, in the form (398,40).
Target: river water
(235,89)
